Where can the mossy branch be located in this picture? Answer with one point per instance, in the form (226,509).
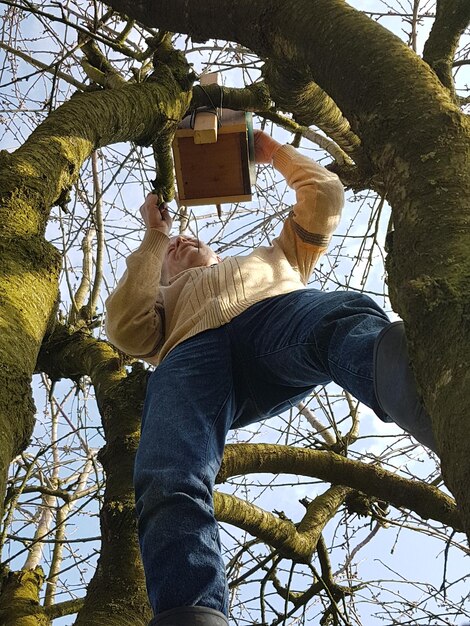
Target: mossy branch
(423,499)
(164,183)
(19,600)
(98,68)
(322,508)
(47,164)
(294,90)
(69,607)
(452,18)
(297,542)
(254,97)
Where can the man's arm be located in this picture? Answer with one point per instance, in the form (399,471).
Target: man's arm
(134,312)
(319,199)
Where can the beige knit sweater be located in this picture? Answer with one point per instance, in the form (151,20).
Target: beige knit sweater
(147,320)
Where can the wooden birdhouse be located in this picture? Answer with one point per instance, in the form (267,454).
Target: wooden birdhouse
(214,156)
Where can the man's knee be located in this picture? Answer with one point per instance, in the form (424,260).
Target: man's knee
(168,486)
(358,300)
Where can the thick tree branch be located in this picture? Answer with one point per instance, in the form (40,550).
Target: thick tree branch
(56,150)
(19,600)
(68,607)
(294,541)
(254,97)
(99,69)
(294,90)
(32,179)
(426,501)
(452,18)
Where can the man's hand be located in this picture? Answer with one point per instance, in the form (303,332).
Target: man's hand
(156,217)
(265,147)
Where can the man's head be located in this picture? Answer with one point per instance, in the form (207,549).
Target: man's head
(185,252)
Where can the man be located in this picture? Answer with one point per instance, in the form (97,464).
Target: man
(238,340)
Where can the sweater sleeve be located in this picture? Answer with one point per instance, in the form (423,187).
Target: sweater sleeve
(309,227)
(135,320)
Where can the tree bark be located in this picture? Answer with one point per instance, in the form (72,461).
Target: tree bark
(294,541)
(425,500)
(452,18)
(19,600)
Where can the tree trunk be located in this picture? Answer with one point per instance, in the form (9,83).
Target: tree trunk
(116,595)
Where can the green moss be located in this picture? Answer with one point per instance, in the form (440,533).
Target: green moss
(48,163)
(19,599)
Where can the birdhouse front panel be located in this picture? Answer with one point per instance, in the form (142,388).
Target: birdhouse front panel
(214,173)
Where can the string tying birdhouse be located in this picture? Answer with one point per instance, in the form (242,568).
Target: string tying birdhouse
(213,152)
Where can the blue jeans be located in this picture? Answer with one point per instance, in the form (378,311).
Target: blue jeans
(262,362)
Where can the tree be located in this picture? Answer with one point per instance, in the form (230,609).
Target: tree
(394,123)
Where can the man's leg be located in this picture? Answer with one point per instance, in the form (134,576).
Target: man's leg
(188,410)
(297,341)
(292,343)
(395,386)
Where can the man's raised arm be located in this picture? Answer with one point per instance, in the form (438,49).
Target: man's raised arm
(319,199)
(134,312)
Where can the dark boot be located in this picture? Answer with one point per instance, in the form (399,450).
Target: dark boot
(395,386)
(190,616)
